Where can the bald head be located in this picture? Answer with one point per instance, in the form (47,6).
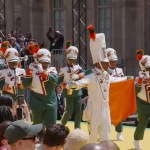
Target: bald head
(109,145)
(104,145)
(92,146)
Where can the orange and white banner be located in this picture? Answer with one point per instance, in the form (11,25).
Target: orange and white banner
(122,100)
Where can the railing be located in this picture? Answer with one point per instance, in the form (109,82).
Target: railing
(58,58)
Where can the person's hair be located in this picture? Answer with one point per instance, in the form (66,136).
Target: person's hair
(6,100)
(3,126)
(59,86)
(5,114)
(76,139)
(55,135)
(109,145)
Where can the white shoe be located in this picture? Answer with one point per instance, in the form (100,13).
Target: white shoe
(137,145)
(119,137)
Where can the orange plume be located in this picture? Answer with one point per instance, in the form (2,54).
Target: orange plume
(92,32)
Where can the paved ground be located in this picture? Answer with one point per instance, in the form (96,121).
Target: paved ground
(128,132)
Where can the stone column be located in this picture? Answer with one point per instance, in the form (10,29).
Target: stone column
(130,34)
(10,18)
(25,13)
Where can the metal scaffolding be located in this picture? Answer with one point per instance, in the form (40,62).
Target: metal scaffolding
(2,19)
(79,27)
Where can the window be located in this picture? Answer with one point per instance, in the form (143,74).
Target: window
(104,19)
(59,15)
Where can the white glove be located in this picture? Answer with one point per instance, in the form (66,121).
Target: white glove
(147,74)
(18,80)
(11,84)
(141,75)
(144,74)
(75,76)
(39,67)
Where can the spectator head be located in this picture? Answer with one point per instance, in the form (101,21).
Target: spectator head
(8,36)
(6,100)
(92,146)
(12,41)
(21,135)
(58,89)
(5,114)
(13,33)
(29,34)
(3,126)
(109,145)
(104,145)
(55,137)
(57,34)
(21,41)
(76,139)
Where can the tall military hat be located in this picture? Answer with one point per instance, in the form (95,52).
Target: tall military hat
(71,51)
(97,46)
(111,54)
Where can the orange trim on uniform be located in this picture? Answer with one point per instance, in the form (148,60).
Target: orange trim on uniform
(63,85)
(43,75)
(140,80)
(29,72)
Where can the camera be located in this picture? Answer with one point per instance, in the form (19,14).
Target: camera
(19,113)
(20,99)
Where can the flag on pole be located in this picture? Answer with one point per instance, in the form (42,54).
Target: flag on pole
(122,100)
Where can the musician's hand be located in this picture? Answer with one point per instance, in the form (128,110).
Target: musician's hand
(11,84)
(39,67)
(18,80)
(144,74)
(75,76)
(25,108)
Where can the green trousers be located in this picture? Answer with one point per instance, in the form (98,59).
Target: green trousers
(47,117)
(43,110)
(73,104)
(119,128)
(143,110)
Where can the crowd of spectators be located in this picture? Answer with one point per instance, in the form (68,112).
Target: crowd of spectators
(20,42)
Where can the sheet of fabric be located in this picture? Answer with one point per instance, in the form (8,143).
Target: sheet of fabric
(122,100)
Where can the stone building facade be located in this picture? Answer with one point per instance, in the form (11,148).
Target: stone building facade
(125,23)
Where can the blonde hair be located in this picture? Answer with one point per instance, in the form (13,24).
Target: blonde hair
(76,139)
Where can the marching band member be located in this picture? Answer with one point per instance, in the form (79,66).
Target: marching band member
(115,72)
(11,77)
(97,112)
(71,72)
(143,98)
(42,79)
